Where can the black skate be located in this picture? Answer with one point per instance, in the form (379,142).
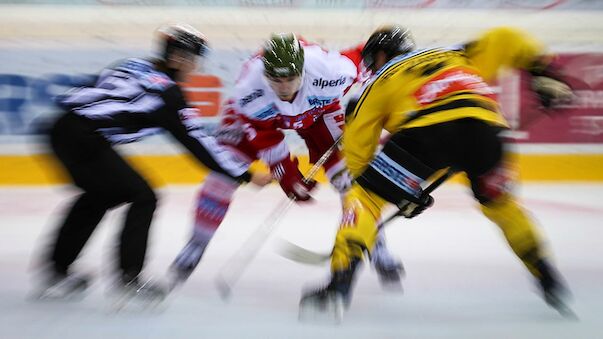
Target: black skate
(329,303)
(62,286)
(554,291)
(145,293)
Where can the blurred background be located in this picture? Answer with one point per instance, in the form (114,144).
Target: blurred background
(46,46)
(462,280)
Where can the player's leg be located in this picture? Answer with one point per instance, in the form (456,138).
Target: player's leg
(215,195)
(356,235)
(318,138)
(211,207)
(394,176)
(389,268)
(523,236)
(492,177)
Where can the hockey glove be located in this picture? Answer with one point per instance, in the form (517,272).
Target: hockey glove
(410,209)
(548,82)
(291,180)
(551,92)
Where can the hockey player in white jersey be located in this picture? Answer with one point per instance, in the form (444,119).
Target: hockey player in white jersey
(290,85)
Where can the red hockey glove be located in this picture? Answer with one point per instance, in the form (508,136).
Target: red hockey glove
(291,179)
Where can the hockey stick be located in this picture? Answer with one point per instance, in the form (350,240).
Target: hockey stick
(238,263)
(299,254)
(302,255)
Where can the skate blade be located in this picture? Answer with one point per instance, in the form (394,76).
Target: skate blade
(224,288)
(565,311)
(137,299)
(561,306)
(329,311)
(60,292)
(52,295)
(393,286)
(134,302)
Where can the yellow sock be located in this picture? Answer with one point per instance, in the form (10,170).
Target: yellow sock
(358,229)
(519,230)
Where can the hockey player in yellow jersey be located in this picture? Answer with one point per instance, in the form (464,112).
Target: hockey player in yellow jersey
(441,113)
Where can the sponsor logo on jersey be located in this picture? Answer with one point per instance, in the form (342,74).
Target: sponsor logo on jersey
(250,97)
(322,83)
(317,101)
(451,81)
(156,81)
(266,112)
(397,174)
(302,120)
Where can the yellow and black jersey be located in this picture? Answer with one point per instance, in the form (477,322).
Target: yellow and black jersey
(432,86)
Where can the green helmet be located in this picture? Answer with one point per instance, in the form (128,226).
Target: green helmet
(283,56)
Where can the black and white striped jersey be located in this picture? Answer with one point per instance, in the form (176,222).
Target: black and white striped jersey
(133,100)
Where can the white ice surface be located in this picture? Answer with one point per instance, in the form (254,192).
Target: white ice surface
(462,280)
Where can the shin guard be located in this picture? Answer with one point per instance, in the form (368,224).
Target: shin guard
(357,231)
(519,230)
(212,203)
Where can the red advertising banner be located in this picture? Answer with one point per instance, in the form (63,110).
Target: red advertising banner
(578,122)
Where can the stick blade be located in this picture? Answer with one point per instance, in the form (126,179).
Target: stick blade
(224,288)
(301,255)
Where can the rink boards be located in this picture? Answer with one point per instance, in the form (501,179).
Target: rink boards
(44,49)
(180,169)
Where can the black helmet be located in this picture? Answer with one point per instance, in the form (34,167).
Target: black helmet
(393,40)
(182,37)
(283,56)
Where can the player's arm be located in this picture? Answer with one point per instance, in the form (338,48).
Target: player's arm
(363,128)
(505,47)
(203,147)
(267,143)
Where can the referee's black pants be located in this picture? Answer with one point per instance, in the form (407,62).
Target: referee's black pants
(107,181)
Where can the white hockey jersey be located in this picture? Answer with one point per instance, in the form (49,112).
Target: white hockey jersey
(325,78)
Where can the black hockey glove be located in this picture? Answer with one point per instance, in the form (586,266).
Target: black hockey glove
(548,83)
(410,209)
(551,92)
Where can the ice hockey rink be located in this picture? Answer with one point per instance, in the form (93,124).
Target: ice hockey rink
(461,279)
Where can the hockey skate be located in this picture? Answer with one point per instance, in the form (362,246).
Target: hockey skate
(184,264)
(328,304)
(133,289)
(389,270)
(61,286)
(553,290)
